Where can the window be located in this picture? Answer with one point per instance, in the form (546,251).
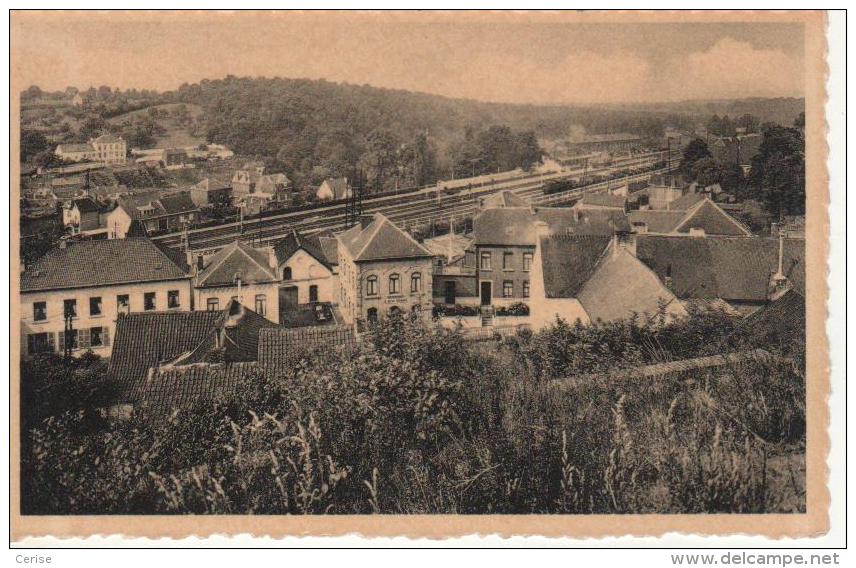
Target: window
(525,288)
(485,261)
(527,261)
(286,273)
(172,299)
(313,293)
(261,304)
(95,306)
(68,340)
(40,342)
(69,308)
(213,304)
(149,301)
(371,314)
(40,311)
(99,337)
(123,304)
(508,261)
(415,282)
(394,284)
(371,286)
(507,289)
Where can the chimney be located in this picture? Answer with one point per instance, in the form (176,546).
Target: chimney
(200,262)
(779,283)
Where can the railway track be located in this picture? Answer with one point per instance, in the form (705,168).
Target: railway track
(423,205)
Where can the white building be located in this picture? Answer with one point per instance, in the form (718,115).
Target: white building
(106,149)
(74,294)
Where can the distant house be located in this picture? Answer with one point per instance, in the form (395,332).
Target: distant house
(267,191)
(154,210)
(504,241)
(82,216)
(175,159)
(106,149)
(502,199)
(382,270)
(333,189)
(241,273)
(689,215)
(210,191)
(746,273)
(594,279)
(244,180)
(74,294)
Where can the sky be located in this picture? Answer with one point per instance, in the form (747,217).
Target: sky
(528,60)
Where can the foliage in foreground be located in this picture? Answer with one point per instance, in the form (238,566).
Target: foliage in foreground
(418,421)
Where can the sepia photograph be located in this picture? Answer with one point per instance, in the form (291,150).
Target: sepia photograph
(520,272)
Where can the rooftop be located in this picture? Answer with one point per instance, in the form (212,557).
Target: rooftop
(103,263)
(237,259)
(378,238)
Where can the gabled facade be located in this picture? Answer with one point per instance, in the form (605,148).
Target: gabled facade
(241,273)
(702,218)
(382,270)
(333,189)
(156,212)
(306,271)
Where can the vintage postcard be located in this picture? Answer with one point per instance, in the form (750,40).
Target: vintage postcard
(418,273)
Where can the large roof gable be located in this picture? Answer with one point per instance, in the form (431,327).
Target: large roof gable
(237,259)
(568,261)
(381,240)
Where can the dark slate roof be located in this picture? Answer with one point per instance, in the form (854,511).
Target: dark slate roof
(180,387)
(102,263)
(708,216)
(285,249)
(380,239)
(685,201)
(515,226)
(87,205)
(731,268)
(145,339)
(237,257)
(281,347)
(568,261)
(160,203)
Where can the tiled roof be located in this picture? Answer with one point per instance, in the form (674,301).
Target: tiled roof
(330,246)
(252,264)
(281,347)
(621,286)
(568,261)
(685,201)
(731,268)
(380,240)
(657,221)
(102,263)
(150,339)
(503,198)
(180,387)
(780,323)
(285,249)
(515,226)
(177,203)
(143,340)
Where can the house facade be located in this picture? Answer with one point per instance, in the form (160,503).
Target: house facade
(333,189)
(307,272)
(382,271)
(155,211)
(73,296)
(106,149)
